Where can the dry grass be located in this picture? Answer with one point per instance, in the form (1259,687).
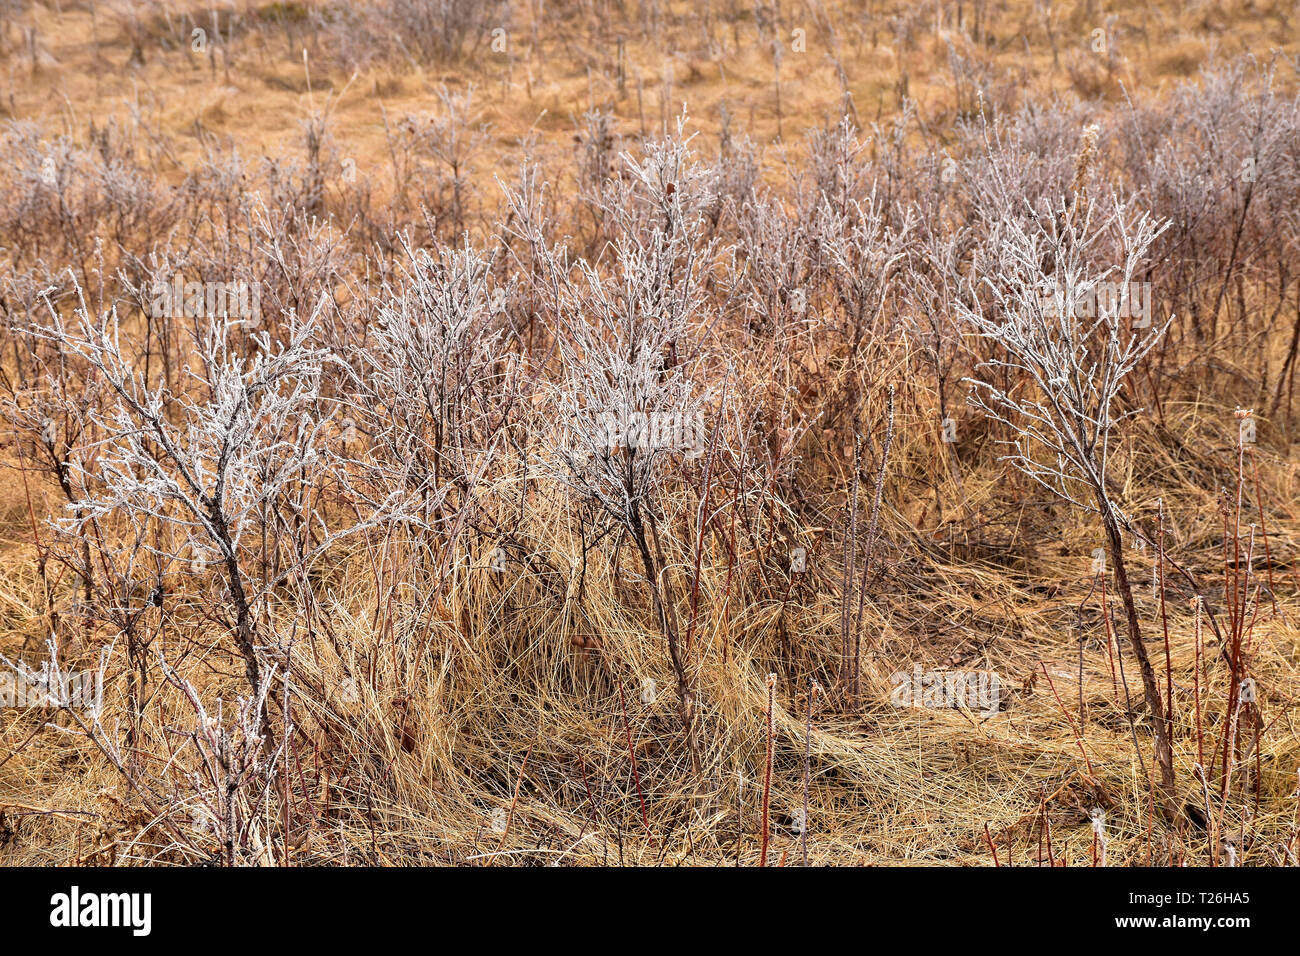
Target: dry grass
(431,693)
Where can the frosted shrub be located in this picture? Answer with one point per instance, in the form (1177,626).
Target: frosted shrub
(226,454)
(431,376)
(1064,370)
(626,344)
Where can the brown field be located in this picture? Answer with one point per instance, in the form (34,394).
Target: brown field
(364,574)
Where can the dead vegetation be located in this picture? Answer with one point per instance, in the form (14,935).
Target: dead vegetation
(585,490)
